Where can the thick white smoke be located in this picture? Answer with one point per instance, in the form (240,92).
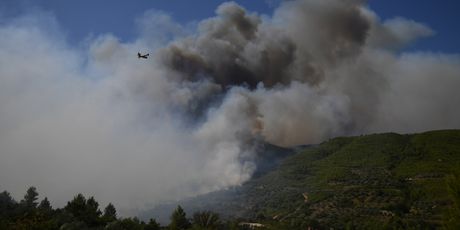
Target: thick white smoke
(95,119)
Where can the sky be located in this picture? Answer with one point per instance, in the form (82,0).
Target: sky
(80,113)
(83,18)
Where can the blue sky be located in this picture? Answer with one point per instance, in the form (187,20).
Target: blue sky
(80,18)
(441,16)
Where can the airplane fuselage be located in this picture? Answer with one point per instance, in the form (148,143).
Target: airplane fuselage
(145,56)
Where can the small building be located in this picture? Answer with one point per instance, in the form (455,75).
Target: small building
(251,225)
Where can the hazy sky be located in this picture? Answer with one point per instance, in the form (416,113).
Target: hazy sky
(79,112)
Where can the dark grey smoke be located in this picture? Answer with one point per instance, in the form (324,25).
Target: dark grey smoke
(97,120)
(239,48)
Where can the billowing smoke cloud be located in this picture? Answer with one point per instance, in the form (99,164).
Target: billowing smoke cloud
(96,120)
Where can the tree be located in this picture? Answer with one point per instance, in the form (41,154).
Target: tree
(125,224)
(92,213)
(8,207)
(179,219)
(152,225)
(77,206)
(45,208)
(30,198)
(85,210)
(206,220)
(110,213)
(7,203)
(45,205)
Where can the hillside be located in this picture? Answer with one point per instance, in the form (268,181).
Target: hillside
(373,181)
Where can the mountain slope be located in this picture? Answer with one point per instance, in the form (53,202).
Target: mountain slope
(369,181)
(373,181)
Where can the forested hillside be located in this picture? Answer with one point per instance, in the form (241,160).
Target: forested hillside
(379,181)
(373,181)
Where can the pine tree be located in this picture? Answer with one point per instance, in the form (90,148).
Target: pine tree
(7,205)
(92,207)
(85,210)
(110,213)
(77,206)
(179,220)
(92,215)
(45,207)
(152,225)
(30,198)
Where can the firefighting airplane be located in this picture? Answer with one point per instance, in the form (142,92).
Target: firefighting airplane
(145,56)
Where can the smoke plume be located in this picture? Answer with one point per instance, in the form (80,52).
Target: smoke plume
(95,119)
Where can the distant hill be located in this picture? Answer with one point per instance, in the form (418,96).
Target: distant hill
(374,182)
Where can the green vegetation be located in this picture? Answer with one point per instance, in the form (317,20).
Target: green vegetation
(206,220)
(179,219)
(379,181)
(79,213)
(83,214)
